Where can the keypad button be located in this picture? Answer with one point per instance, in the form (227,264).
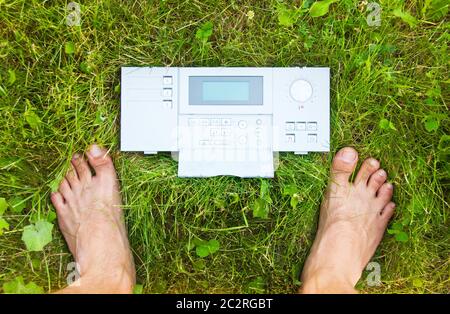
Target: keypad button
(167,92)
(258,121)
(204,122)
(290,138)
(290,126)
(215,132)
(301,90)
(167,80)
(203,142)
(300,126)
(193,122)
(242,124)
(226,122)
(215,122)
(226,132)
(312,138)
(312,126)
(168,104)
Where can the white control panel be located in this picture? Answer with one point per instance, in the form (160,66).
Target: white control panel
(225,121)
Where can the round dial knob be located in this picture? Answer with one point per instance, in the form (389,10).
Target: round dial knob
(301,90)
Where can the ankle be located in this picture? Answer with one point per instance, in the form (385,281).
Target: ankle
(118,281)
(326,281)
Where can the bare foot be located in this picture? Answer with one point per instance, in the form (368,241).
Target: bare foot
(353,219)
(91,219)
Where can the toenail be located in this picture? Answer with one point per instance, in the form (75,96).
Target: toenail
(96,151)
(76,156)
(390,186)
(348,155)
(382,173)
(373,162)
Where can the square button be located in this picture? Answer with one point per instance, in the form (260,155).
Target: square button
(312,138)
(167,92)
(300,126)
(226,122)
(290,126)
(168,104)
(215,122)
(226,132)
(193,122)
(215,132)
(167,80)
(204,122)
(312,126)
(290,138)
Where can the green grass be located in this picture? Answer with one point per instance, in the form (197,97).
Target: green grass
(54,103)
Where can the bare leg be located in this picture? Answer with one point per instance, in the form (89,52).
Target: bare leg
(91,219)
(353,219)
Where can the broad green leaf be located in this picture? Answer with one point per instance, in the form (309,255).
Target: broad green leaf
(401,237)
(213,246)
(12,77)
(17,204)
(385,124)
(204,32)
(138,289)
(4,225)
(202,251)
(392,231)
(294,200)
(406,17)
(205,248)
(320,8)
(431,123)
(37,236)
(51,216)
(260,209)
(234,198)
(286,16)
(17,286)
(117,89)
(290,190)
(32,119)
(3,205)
(69,48)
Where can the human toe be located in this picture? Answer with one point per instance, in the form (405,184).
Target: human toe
(376,180)
(344,163)
(82,168)
(368,167)
(384,194)
(100,161)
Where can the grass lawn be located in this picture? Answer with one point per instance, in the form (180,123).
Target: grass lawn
(59,92)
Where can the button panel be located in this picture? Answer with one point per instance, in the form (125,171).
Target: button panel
(232,132)
(295,131)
